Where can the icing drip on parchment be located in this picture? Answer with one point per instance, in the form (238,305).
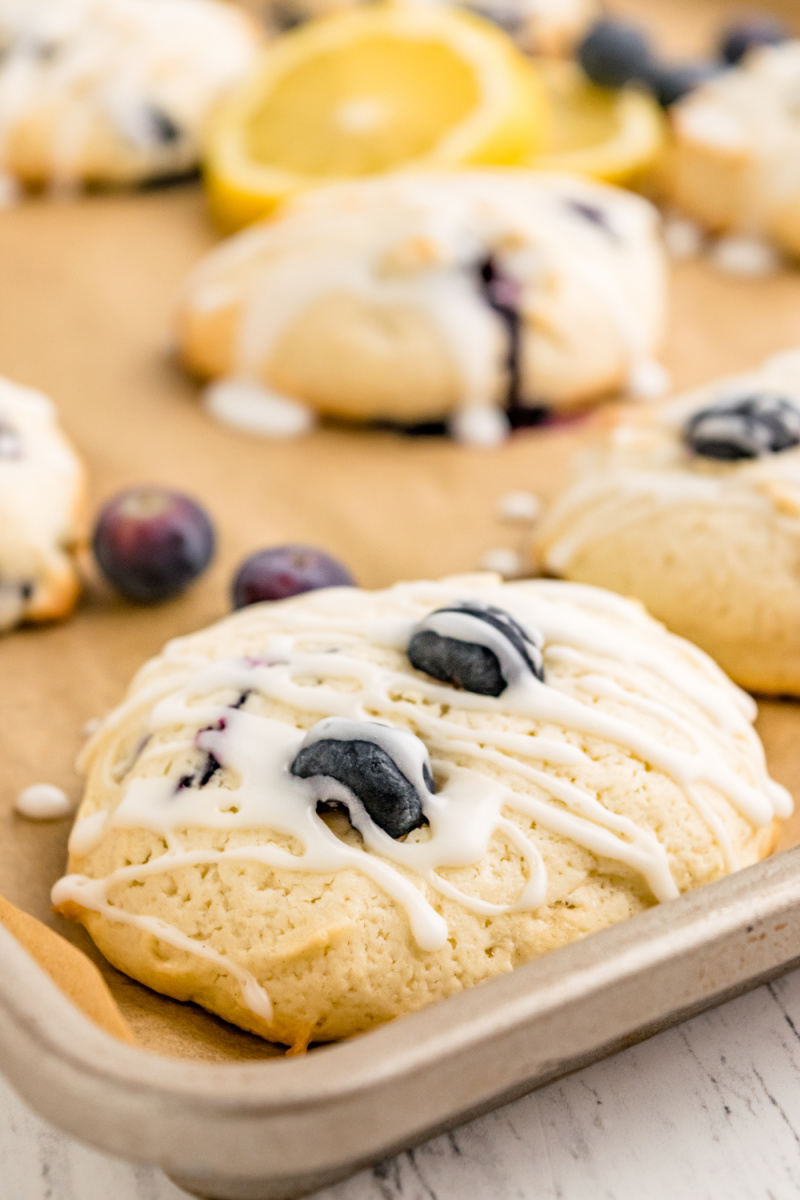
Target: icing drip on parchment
(255,790)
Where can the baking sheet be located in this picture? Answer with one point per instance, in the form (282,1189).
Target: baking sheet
(85,295)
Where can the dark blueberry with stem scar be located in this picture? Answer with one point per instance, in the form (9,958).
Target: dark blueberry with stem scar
(670,82)
(371,769)
(286,571)
(757,29)
(476,647)
(614,53)
(151,543)
(744,428)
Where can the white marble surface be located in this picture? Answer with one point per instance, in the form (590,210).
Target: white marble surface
(707,1111)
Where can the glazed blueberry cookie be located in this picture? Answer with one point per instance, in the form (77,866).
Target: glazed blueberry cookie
(695,510)
(113,91)
(42,510)
(324,812)
(736,145)
(549,27)
(421,297)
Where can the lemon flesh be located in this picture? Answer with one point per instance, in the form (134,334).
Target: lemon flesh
(364,108)
(368,91)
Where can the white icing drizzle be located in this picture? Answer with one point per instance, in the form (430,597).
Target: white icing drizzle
(616,654)
(418,242)
(465,626)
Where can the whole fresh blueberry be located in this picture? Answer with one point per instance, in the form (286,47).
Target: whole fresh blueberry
(757,29)
(477,647)
(614,53)
(151,543)
(286,571)
(384,770)
(749,427)
(670,82)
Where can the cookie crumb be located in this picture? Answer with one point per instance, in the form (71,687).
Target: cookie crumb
(43,802)
(683,238)
(522,507)
(648,380)
(502,561)
(750,257)
(479,425)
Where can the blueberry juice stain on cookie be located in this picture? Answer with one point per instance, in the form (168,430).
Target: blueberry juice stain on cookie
(400,741)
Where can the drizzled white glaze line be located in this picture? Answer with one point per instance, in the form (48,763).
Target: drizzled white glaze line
(91,894)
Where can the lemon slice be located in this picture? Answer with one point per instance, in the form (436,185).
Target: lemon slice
(610,135)
(376,89)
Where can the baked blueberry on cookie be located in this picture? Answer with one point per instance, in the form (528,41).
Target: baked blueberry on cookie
(736,140)
(324,812)
(113,91)
(434,297)
(695,510)
(42,510)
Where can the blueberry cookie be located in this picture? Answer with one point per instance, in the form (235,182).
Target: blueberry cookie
(733,166)
(113,91)
(323,812)
(42,510)
(548,27)
(419,297)
(695,511)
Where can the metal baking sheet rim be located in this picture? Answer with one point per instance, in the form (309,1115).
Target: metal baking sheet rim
(278,1129)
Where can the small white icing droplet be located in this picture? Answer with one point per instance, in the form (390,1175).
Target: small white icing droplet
(752,257)
(91,726)
(479,425)
(519,506)
(43,802)
(712,125)
(683,238)
(648,380)
(10,191)
(253,408)
(503,561)
(12,605)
